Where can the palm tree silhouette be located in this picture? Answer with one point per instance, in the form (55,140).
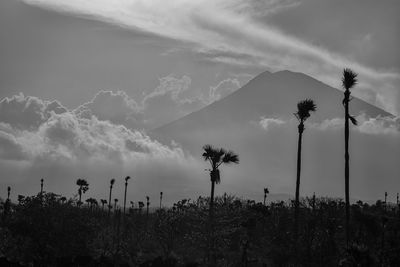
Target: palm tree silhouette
(349,80)
(115,204)
(112,181)
(216,157)
(103,202)
(83,187)
(8,193)
(147,204)
(304,108)
(41,186)
(126,186)
(266,191)
(161,194)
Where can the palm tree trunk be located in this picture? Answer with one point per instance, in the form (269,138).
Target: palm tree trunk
(211,214)
(109,202)
(297,200)
(347,159)
(126,186)
(265,197)
(80,197)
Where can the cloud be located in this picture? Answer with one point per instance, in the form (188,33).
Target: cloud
(27,112)
(366,125)
(229,32)
(116,107)
(267,123)
(66,145)
(222,89)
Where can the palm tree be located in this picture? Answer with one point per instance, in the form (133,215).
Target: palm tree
(83,187)
(147,205)
(112,181)
(216,157)
(349,80)
(161,194)
(8,193)
(41,186)
(266,191)
(103,202)
(304,108)
(126,186)
(115,204)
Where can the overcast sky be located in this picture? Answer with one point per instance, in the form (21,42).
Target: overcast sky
(88,63)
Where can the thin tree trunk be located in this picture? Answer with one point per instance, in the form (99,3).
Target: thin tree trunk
(126,186)
(212,241)
(347,160)
(109,202)
(297,200)
(265,197)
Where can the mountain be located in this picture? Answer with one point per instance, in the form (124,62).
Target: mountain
(268,154)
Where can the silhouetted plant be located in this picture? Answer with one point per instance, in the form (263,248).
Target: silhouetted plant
(216,157)
(349,80)
(147,205)
(161,195)
(115,204)
(103,202)
(266,191)
(112,181)
(303,113)
(8,193)
(83,187)
(41,186)
(126,186)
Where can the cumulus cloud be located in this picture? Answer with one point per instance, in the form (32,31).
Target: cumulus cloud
(366,125)
(222,89)
(116,107)
(228,29)
(27,112)
(267,123)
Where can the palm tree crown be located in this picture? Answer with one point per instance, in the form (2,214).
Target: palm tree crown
(304,108)
(349,79)
(216,157)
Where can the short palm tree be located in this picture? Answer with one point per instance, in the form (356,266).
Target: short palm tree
(147,205)
(216,157)
(115,204)
(266,192)
(83,187)
(304,108)
(103,202)
(126,187)
(41,186)
(8,193)
(161,195)
(112,182)
(349,80)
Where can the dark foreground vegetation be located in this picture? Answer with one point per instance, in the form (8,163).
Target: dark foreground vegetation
(49,230)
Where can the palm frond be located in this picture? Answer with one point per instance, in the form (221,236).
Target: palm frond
(353,120)
(112,181)
(230,157)
(349,78)
(304,108)
(127,178)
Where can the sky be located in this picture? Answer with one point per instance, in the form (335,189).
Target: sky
(82,81)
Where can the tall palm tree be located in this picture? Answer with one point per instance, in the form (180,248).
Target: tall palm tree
(126,186)
(266,191)
(112,182)
(216,157)
(83,187)
(349,80)
(304,108)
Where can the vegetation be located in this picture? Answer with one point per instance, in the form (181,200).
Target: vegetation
(49,230)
